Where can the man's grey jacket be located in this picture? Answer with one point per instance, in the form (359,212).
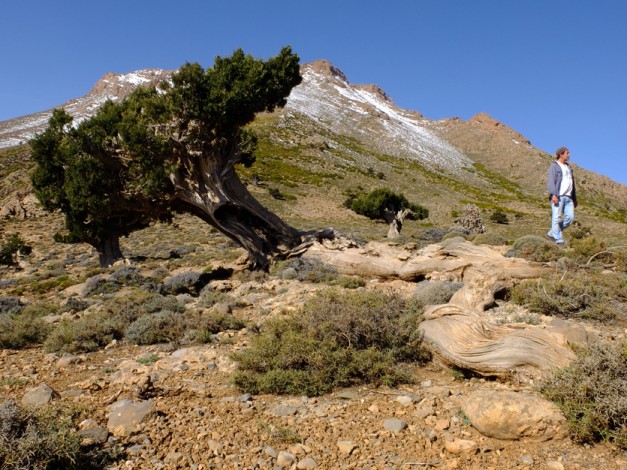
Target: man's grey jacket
(554,180)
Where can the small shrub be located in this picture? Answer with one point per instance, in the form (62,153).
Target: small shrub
(212,323)
(89,333)
(100,284)
(583,293)
(593,250)
(44,439)
(499,217)
(9,305)
(10,248)
(337,340)
(534,248)
(306,270)
(188,282)
(128,275)
(153,328)
(592,393)
(22,329)
(148,360)
(435,292)
(493,239)
(455,234)
(278,433)
(350,282)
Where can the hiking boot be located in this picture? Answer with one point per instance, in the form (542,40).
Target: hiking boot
(550,236)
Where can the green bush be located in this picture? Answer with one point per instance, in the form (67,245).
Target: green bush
(374,205)
(306,270)
(22,329)
(214,322)
(592,393)
(350,282)
(435,292)
(44,439)
(9,249)
(159,327)
(585,293)
(534,248)
(89,333)
(338,339)
(488,238)
(499,217)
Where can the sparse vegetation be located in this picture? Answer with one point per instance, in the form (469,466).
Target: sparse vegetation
(592,393)
(45,439)
(534,248)
(337,340)
(585,293)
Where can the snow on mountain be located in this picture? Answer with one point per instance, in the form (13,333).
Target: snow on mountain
(363,112)
(368,114)
(111,86)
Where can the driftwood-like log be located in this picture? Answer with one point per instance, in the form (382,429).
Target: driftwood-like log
(456,332)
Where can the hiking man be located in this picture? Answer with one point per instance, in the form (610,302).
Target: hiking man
(560,183)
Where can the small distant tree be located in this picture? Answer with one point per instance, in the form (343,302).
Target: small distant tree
(12,248)
(165,149)
(499,217)
(393,208)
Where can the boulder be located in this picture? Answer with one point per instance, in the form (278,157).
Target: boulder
(39,396)
(512,415)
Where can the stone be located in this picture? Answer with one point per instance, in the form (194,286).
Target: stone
(39,396)
(554,465)
(346,447)
(93,435)
(306,463)
(284,410)
(126,416)
(459,446)
(526,460)
(285,459)
(405,400)
(394,424)
(512,415)
(442,424)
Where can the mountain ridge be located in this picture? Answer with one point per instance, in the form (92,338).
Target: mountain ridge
(359,128)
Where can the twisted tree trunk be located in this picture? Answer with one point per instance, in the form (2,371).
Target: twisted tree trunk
(210,188)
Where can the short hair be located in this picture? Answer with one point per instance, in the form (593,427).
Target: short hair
(560,151)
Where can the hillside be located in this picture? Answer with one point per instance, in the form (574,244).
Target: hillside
(141,356)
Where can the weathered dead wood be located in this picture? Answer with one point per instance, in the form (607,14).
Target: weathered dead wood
(456,332)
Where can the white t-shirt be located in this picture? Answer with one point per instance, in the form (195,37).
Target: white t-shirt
(566,187)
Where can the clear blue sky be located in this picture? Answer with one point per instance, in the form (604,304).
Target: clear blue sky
(554,70)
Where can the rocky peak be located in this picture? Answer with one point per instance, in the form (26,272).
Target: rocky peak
(375,90)
(120,85)
(325,68)
(486,122)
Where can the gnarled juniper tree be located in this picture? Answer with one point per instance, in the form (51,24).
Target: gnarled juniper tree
(169,148)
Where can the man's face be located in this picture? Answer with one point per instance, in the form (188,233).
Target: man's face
(564,157)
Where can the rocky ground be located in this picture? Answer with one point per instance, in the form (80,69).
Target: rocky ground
(175,407)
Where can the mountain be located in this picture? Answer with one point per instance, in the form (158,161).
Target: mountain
(334,138)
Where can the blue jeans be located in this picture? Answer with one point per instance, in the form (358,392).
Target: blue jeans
(566,207)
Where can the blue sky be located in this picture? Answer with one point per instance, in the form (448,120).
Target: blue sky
(554,70)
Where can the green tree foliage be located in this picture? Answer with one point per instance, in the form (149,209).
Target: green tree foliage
(164,149)
(11,247)
(393,208)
